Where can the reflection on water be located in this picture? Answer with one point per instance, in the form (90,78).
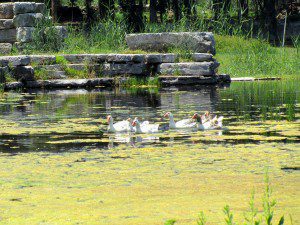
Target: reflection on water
(64,120)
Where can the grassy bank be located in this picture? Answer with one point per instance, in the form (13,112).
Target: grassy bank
(239,55)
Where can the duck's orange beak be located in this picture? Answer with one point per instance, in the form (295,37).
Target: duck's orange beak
(133,124)
(166,115)
(108,118)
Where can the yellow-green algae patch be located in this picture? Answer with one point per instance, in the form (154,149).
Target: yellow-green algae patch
(145,186)
(128,185)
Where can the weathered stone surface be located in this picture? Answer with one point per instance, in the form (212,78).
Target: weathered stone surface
(76,83)
(6,24)
(23,73)
(202,42)
(61,31)
(161,58)
(42,59)
(84,58)
(186,80)
(6,11)
(51,71)
(8,36)
(21,60)
(14,85)
(40,8)
(124,58)
(195,68)
(24,7)
(122,69)
(27,20)
(202,57)
(5,48)
(24,34)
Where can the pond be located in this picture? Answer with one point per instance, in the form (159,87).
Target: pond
(54,155)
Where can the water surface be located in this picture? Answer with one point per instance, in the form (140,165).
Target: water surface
(57,167)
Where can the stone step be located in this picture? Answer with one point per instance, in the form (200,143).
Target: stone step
(71,83)
(20,60)
(191,68)
(186,80)
(121,58)
(202,57)
(191,41)
(27,19)
(28,7)
(42,59)
(111,69)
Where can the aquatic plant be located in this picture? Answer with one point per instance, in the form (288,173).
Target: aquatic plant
(140,82)
(201,219)
(170,222)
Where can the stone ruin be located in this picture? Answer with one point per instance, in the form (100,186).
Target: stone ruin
(18,21)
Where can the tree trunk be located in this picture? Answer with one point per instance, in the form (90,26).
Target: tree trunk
(153,11)
(270,20)
(89,12)
(176,9)
(54,8)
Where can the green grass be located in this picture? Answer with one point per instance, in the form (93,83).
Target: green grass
(136,82)
(241,57)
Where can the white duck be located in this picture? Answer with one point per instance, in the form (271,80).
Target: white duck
(186,123)
(146,127)
(121,126)
(206,123)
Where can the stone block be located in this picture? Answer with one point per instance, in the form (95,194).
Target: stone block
(71,83)
(23,73)
(42,59)
(5,48)
(27,20)
(183,69)
(186,80)
(82,58)
(202,42)
(202,57)
(25,34)
(6,10)
(6,24)
(161,58)
(8,36)
(24,7)
(14,85)
(125,58)
(61,31)
(13,61)
(111,69)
